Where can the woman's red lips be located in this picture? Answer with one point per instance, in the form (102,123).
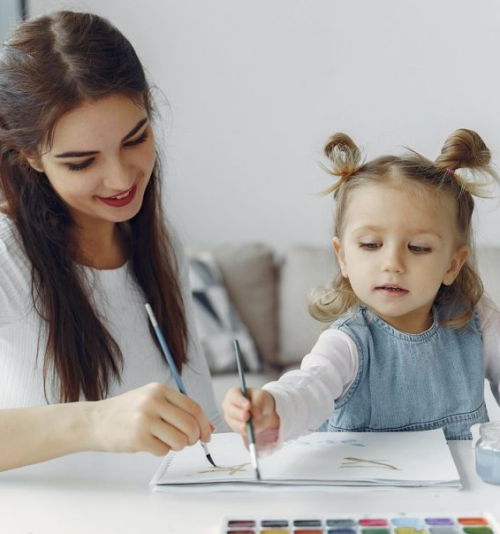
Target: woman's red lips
(120,200)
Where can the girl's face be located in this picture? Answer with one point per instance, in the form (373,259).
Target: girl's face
(101,160)
(396,252)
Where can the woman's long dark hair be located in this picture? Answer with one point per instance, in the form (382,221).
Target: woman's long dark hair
(51,65)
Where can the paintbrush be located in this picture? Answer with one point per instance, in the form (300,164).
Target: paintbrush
(251,434)
(173,368)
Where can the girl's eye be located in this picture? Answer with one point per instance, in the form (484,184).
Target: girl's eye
(137,141)
(369,246)
(419,250)
(79,166)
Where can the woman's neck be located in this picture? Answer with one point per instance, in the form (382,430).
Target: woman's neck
(102,249)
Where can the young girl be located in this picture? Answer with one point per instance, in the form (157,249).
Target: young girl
(83,247)
(411,339)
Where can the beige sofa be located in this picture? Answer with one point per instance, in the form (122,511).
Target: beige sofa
(271,295)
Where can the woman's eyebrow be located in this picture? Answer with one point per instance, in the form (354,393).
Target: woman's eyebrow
(77,154)
(135,129)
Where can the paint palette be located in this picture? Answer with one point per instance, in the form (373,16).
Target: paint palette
(384,524)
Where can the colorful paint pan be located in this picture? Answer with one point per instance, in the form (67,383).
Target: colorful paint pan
(380,524)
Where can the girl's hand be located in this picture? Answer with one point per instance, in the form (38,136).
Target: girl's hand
(152,418)
(260,406)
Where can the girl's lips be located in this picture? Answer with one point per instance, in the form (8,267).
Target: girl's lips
(120,202)
(392,291)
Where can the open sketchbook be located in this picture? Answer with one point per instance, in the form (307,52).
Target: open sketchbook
(322,460)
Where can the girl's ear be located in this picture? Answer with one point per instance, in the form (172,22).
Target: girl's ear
(456,264)
(339,252)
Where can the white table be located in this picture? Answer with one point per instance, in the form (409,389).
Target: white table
(96,493)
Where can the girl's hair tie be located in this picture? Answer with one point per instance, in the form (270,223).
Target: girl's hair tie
(450,171)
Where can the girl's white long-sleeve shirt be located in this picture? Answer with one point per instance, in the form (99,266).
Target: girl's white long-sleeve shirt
(305,398)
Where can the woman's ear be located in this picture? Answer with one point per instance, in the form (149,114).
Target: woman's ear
(339,252)
(457,262)
(34,163)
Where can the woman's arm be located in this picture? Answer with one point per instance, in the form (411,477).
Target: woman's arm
(153,418)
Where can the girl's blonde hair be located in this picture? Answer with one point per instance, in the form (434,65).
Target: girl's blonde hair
(465,151)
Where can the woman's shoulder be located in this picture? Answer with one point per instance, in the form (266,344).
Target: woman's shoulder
(6,227)
(15,274)
(11,250)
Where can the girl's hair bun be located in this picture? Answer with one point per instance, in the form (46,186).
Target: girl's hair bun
(343,155)
(344,159)
(464,149)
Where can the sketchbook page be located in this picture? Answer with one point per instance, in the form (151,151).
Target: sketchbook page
(402,459)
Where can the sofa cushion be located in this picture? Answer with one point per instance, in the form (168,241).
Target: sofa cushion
(303,268)
(249,273)
(217,321)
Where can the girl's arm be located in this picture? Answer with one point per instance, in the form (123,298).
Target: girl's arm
(300,401)
(305,398)
(489,315)
(153,418)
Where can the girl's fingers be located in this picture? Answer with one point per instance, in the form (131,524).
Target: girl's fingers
(237,414)
(234,397)
(267,439)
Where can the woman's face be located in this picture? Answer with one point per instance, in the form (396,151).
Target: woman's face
(101,160)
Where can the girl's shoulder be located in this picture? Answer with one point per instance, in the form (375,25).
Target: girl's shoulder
(352,318)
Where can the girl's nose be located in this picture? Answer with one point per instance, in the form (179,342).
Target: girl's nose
(393,261)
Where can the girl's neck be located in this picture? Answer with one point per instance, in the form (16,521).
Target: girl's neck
(415,322)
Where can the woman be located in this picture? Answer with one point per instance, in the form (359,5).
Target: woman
(83,247)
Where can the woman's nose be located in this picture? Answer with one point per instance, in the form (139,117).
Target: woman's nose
(118,175)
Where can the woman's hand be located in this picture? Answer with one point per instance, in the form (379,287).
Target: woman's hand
(260,406)
(153,418)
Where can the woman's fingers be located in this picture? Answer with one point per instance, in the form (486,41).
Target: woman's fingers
(185,415)
(153,418)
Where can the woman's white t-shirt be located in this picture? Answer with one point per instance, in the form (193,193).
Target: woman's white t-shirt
(120,304)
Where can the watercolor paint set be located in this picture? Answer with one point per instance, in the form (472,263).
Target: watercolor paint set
(384,524)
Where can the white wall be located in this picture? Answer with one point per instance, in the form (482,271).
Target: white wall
(255,87)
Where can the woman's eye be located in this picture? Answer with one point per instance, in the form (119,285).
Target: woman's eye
(137,141)
(369,246)
(79,166)
(419,250)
